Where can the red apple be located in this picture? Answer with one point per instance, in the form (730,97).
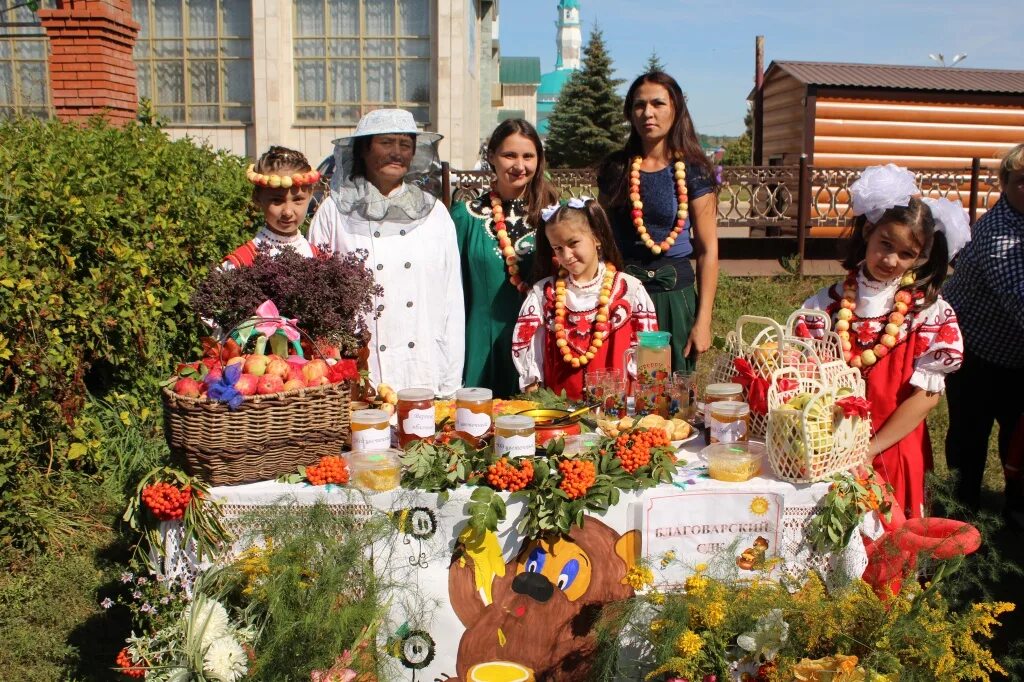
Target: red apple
(269,383)
(313,371)
(278,367)
(246,384)
(188,387)
(256,365)
(214,374)
(236,360)
(293,384)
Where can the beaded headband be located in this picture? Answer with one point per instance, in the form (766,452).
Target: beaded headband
(285,181)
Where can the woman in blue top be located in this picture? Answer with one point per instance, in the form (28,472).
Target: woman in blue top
(661,195)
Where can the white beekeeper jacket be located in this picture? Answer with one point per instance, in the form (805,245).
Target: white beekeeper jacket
(418,340)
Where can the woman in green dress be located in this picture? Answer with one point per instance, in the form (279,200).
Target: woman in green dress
(496,242)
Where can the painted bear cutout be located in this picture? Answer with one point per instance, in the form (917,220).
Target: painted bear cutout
(532,618)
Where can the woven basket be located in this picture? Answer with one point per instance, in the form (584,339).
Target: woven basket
(269,435)
(768,347)
(817,441)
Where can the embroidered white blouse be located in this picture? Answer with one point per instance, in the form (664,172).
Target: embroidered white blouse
(939,344)
(528,355)
(265,236)
(418,339)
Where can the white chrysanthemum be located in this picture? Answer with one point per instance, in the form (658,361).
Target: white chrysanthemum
(225,660)
(209,622)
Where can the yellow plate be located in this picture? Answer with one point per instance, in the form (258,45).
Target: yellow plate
(545,416)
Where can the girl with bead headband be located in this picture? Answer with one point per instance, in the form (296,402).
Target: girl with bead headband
(584,311)
(283,186)
(894,326)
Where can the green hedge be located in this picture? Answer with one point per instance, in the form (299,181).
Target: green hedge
(104,233)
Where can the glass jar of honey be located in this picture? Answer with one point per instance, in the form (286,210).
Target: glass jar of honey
(716,392)
(473,408)
(514,436)
(371,430)
(415,415)
(728,421)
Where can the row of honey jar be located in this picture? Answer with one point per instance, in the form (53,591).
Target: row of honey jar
(514,434)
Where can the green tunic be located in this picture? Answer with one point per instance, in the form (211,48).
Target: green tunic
(492,303)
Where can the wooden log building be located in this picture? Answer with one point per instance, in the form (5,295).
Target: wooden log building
(858,115)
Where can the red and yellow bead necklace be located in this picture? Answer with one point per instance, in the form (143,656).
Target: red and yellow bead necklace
(638,206)
(600,326)
(508,252)
(862,359)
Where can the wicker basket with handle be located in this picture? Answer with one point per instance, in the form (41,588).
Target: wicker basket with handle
(267,436)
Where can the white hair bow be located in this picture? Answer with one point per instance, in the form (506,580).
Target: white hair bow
(578,203)
(880,188)
(951,219)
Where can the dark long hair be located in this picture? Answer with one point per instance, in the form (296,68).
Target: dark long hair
(594,216)
(933,263)
(683,143)
(278,159)
(540,192)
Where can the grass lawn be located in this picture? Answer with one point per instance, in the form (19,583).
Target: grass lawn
(52,627)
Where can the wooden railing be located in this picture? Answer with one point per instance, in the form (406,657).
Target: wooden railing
(772,201)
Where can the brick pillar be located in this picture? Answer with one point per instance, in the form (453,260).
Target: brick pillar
(91,65)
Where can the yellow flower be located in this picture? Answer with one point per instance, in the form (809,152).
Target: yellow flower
(700,568)
(838,668)
(696,585)
(639,577)
(657,598)
(667,558)
(657,626)
(689,643)
(713,614)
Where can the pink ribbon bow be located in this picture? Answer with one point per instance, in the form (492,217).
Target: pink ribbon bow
(273,322)
(853,406)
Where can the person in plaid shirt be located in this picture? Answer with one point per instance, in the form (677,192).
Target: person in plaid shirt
(987,293)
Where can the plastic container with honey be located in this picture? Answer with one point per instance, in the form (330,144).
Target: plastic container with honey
(371,430)
(514,436)
(728,421)
(375,472)
(415,415)
(735,462)
(716,392)
(473,407)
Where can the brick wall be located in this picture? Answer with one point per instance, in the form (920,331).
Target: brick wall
(91,66)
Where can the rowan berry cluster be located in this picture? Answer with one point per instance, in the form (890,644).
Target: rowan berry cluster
(578,475)
(126,667)
(634,449)
(330,469)
(165,501)
(503,475)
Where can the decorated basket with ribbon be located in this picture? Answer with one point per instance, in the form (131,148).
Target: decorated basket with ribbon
(227,438)
(814,428)
(759,346)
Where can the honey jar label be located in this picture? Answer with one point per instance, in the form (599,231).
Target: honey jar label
(419,423)
(727,432)
(369,440)
(473,423)
(515,446)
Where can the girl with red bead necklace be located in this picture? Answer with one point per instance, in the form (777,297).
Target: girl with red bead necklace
(894,326)
(584,312)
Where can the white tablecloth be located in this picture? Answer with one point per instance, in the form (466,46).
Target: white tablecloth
(696,518)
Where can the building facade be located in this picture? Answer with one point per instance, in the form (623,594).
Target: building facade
(246,74)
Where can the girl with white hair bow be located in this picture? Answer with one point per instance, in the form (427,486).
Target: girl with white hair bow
(894,326)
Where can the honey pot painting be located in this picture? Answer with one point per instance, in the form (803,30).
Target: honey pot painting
(532,618)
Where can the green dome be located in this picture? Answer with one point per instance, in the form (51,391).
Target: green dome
(570,4)
(552,83)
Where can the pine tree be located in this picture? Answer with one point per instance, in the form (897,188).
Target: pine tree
(587,124)
(654,63)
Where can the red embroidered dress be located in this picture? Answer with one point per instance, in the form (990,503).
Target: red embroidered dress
(534,352)
(244,255)
(928,348)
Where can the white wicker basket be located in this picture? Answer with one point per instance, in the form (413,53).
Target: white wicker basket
(815,441)
(769,347)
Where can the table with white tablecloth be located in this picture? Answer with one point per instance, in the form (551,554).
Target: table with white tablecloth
(465,614)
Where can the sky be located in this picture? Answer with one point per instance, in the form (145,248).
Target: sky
(708,45)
